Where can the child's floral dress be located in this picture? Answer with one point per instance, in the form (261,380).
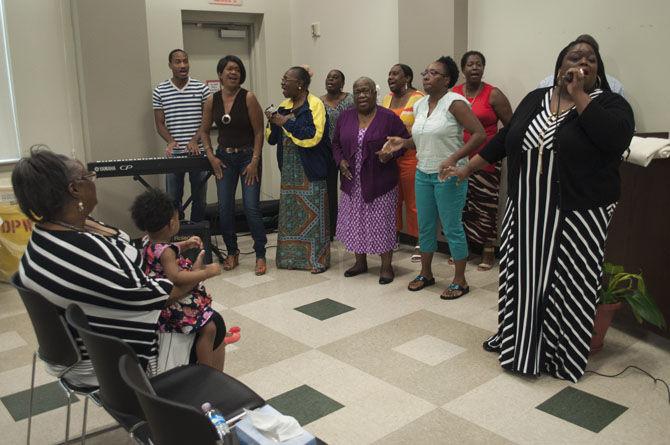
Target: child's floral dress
(192,312)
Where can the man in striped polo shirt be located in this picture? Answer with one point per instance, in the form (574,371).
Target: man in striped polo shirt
(178,104)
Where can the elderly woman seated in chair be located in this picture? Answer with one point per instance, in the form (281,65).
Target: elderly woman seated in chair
(72,258)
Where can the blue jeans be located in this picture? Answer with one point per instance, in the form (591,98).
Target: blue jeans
(226,187)
(445,200)
(174,184)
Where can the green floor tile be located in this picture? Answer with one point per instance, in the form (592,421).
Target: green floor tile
(582,409)
(324,309)
(45,398)
(305,404)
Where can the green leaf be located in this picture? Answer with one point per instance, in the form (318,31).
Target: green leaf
(607,297)
(644,308)
(612,269)
(641,286)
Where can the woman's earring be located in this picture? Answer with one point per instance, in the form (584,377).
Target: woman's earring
(81,207)
(598,82)
(300,88)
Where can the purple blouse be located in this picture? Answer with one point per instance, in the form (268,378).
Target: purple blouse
(376,178)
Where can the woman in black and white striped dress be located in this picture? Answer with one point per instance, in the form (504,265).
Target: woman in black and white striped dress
(73,259)
(564,146)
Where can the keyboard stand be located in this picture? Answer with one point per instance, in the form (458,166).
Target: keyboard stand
(142,181)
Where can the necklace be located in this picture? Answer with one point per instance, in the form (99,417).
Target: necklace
(553,117)
(399,99)
(226,119)
(68,226)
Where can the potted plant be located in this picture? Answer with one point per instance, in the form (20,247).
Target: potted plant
(618,287)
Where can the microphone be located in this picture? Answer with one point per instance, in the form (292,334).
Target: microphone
(571,75)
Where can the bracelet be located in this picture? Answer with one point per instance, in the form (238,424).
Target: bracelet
(256,157)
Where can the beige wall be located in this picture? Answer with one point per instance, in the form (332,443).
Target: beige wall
(358,37)
(115,85)
(429,29)
(44,74)
(521,44)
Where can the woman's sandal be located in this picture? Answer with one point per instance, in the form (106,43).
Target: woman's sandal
(484,266)
(424,282)
(232,336)
(416,256)
(454,291)
(231,261)
(261,266)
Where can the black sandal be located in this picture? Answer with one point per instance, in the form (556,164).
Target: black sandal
(425,282)
(454,291)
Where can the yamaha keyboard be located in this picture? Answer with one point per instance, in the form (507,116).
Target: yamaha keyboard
(148,166)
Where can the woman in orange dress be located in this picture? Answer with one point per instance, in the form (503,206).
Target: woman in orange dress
(401,101)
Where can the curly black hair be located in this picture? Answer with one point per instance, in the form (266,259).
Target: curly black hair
(452,69)
(464,59)
(41,183)
(152,210)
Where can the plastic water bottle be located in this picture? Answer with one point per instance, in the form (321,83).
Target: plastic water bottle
(217,419)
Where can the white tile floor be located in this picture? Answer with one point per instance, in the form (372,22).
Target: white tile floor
(429,350)
(407,366)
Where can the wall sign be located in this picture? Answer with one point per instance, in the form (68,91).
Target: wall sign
(214,85)
(226,2)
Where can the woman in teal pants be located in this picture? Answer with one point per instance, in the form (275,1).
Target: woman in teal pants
(437,134)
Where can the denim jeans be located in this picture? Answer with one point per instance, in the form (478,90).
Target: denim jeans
(175,189)
(226,187)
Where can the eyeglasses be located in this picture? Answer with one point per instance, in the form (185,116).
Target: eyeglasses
(363,92)
(432,73)
(90,176)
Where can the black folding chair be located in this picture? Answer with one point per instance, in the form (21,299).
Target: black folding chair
(56,347)
(171,423)
(190,385)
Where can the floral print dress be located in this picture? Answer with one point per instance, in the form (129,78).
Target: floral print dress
(192,312)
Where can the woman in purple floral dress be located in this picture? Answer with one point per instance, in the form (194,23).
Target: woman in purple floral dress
(366,219)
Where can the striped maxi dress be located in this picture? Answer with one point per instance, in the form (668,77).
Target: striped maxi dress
(551,266)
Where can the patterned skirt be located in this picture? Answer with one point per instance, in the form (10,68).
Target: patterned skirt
(303,241)
(480,215)
(366,227)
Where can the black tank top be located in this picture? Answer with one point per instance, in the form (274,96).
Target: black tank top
(238,132)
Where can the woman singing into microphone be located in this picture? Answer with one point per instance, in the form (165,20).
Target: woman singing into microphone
(563,148)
